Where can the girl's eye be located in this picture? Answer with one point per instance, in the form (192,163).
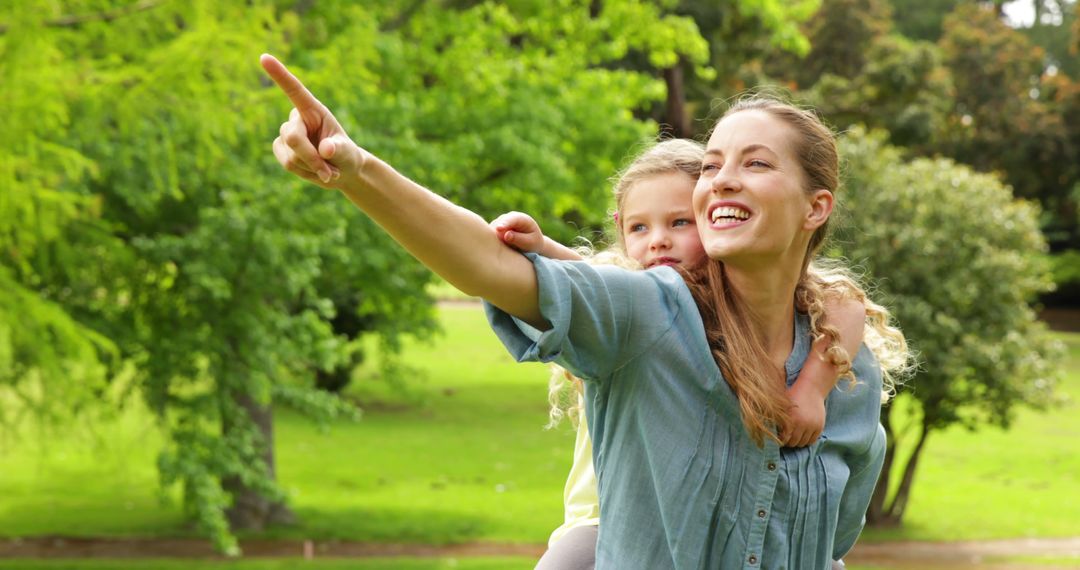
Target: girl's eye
(637,228)
(682,222)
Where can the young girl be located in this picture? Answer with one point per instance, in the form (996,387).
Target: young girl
(655,226)
(685,373)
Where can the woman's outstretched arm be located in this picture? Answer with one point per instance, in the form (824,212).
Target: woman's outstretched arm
(450,240)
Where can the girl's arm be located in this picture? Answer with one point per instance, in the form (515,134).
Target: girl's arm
(451,241)
(521,232)
(818,376)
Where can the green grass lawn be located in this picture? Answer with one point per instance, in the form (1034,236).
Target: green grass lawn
(1001,484)
(472,462)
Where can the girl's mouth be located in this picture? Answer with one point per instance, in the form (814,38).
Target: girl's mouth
(671,261)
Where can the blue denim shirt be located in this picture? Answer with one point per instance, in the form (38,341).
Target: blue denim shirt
(681,483)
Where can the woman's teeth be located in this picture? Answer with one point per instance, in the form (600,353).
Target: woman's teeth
(729,214)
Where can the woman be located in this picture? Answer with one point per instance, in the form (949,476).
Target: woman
(690,472)
(655,226)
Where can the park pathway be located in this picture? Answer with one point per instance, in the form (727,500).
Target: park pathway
(966,555)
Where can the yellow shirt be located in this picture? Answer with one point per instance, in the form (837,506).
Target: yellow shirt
(581,504)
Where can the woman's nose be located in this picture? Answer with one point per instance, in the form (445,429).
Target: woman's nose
(726,180)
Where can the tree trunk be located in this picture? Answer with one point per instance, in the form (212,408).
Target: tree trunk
(676,123)
(875,514)
(251,510)
(899,502)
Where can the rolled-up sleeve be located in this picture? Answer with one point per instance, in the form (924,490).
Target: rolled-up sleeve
(600,316)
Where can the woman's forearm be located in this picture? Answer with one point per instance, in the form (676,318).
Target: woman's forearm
(453,242)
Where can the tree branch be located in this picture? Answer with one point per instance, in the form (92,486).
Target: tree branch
(75,20)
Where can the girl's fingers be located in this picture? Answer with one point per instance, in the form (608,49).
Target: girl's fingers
(513,220)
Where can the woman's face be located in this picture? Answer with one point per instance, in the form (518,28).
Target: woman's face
(658,223)
(750,201)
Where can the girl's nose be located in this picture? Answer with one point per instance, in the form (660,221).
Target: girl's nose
(660,240)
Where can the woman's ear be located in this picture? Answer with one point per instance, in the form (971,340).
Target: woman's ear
(821,206)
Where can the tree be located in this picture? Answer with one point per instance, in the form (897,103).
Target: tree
(922,19)
(841,34)
(739,33)
(903,88)
(52,365)
(1002,119)
(958,261)
(227,286)
(1052,30)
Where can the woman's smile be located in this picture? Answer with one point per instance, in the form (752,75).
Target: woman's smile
(727,214)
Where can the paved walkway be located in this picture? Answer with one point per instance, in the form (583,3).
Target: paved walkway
(966,554)
(921,555)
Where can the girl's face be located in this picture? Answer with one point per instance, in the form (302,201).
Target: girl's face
(657,221)
(750,201)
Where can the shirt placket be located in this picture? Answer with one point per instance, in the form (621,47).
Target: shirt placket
(768,473)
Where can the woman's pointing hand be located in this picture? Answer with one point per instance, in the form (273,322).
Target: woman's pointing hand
(312,144)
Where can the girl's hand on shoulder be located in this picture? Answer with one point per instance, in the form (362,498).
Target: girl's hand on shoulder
(807,418)
(519,231)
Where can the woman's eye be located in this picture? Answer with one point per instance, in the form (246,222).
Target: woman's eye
(757,163)
(682,222)
(709,167)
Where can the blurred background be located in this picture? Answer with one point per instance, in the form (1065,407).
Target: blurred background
(202,357)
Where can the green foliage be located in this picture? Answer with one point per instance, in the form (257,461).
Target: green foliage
(983,95)
(1066,268)
(500,107)
(958,261)
(842,32)
(1054,33)
(922,19)
(902,88)
(1005,118)
(739,33)
(48,361)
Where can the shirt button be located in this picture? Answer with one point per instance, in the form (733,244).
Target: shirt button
(752,559)
(761,513)
(771,466)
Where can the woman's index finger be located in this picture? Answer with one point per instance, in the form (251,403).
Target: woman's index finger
(301,98)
